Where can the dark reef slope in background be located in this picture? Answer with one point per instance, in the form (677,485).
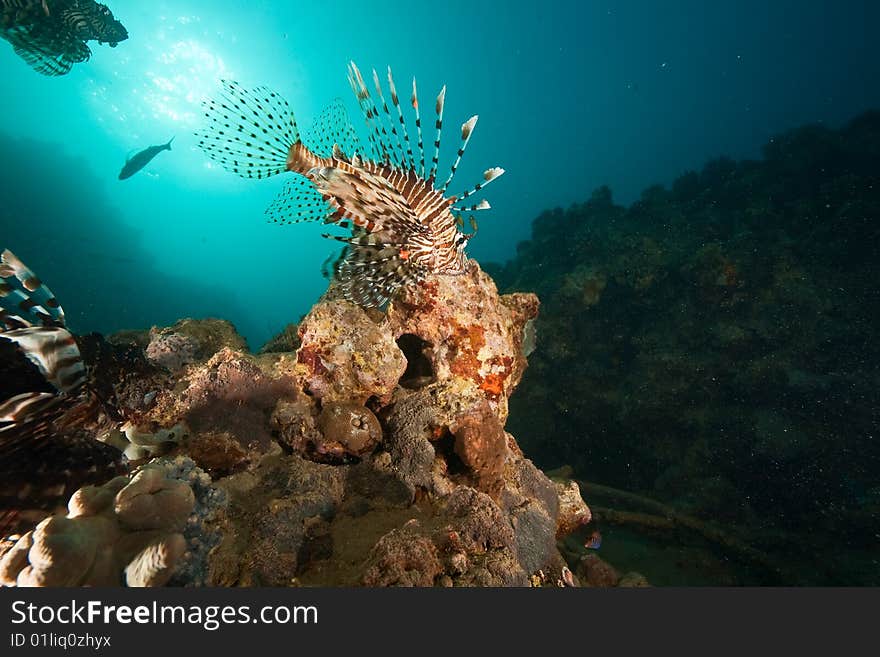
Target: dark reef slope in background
(55,217)
(715,345)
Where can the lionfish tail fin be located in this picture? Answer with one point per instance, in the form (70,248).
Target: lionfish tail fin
(24,299)
(250,131)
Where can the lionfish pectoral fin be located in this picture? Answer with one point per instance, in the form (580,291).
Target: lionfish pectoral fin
(371,272)
(33,416)
(250,131)
(368,199)
(38,52)
(24,298)
(55,353)
(331,265)
(21,407)
(34,321)
(298,202)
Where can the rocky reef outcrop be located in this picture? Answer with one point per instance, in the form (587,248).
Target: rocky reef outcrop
(360,448)
(714,345)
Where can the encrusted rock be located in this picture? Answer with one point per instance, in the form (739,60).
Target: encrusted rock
(191,341)
(348,429)
(573,511)
(128,530)
(403,558)
(481,445)
(593,571)
(471,335)
(347,356)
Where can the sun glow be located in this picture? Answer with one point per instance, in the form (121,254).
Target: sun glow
(165,81)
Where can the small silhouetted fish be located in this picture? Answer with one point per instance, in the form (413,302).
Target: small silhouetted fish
(139,160)
(594,541)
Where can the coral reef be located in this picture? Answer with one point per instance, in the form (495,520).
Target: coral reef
(368,449)
(135,530)
(713,345)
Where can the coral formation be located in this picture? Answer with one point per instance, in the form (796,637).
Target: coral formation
(129,530)
(374,454)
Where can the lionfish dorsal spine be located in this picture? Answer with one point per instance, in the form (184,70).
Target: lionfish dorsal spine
(415,105)
(395,100)
(488,176)
(467,129)
(438,108)
(397,146)
(482,205)
(382,144)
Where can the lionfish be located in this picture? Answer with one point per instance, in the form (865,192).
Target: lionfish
(48,396)
(403,224)
(51,35)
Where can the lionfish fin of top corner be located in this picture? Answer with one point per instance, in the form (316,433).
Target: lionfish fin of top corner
(33,320)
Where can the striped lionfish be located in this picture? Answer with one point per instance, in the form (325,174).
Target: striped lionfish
(403,225)
(49,395)
(51,35)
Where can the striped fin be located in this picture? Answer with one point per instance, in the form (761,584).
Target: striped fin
(488,176)
(398,152)
(482,205)
(368,199)
(298,202)
(46,50)
(332,128)
(410,162)
(24,298)
(467,129)
(438,108)
(382,143)
(33,418)
(250,131)
(372,133)
(22,407)
(372,271)
(415,104)
(55,353)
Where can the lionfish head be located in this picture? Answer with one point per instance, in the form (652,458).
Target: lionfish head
(458,263)
(99,24)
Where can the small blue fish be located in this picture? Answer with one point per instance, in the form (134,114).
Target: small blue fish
(594,541)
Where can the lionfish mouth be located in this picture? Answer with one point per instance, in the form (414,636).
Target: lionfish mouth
(402,223)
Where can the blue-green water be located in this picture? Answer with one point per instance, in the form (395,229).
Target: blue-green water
(570,95)
(708,343)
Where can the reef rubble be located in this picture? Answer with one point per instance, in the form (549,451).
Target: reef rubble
(373,453)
